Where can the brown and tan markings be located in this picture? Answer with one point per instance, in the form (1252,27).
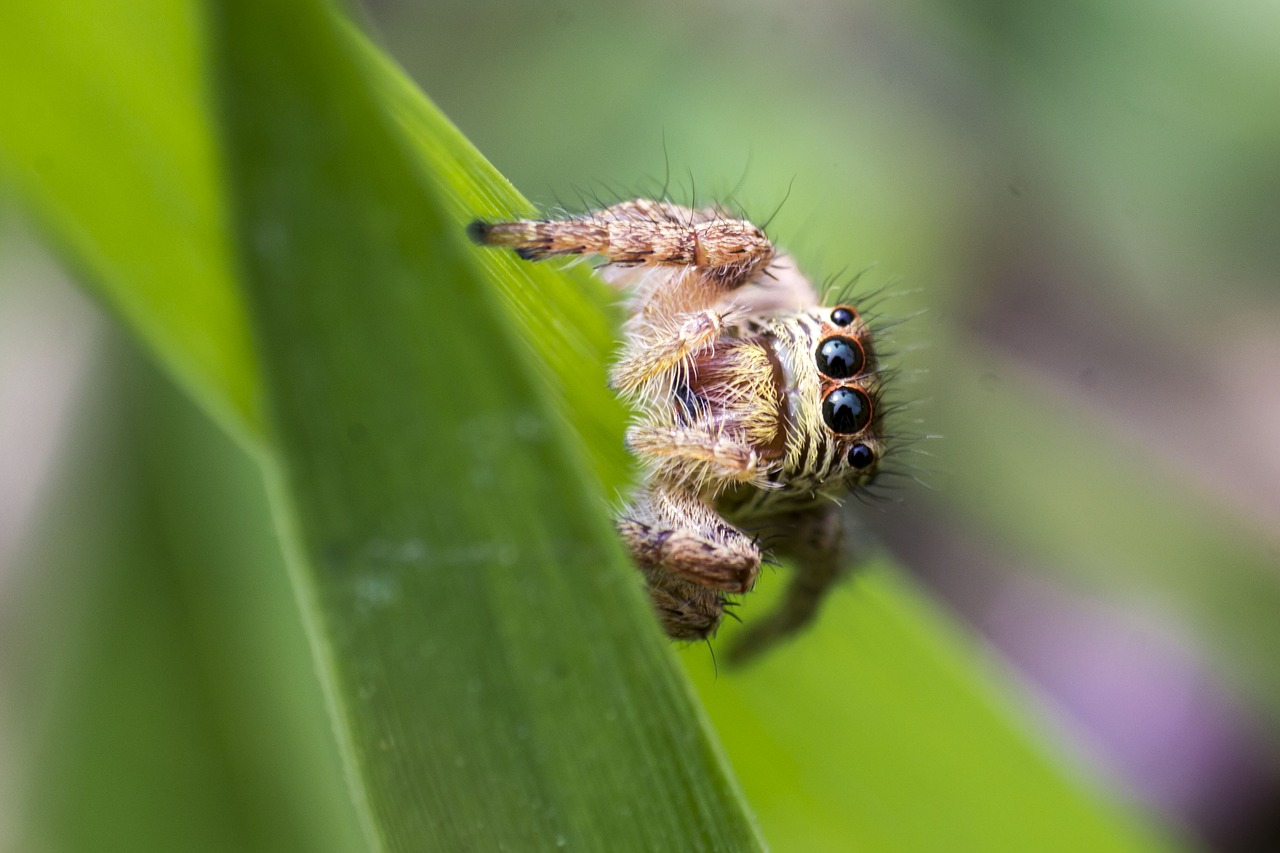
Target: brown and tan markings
(757,408)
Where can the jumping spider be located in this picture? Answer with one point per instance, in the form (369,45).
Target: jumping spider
(758,407)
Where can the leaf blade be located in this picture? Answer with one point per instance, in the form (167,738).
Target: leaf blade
(105,136)
(507,702)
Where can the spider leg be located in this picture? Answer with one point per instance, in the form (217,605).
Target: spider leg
(671,530)
(816,544)
(665,350)
(639,233)
(686,610)
(699,454)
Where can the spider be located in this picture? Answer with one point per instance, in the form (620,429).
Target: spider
(757,408)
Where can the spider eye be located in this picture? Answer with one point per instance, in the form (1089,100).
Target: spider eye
(860,456)
(840,357)
(847,411)
(843,316)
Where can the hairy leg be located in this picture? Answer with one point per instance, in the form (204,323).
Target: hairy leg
(687,611)
(673,530)
(663,350)
(642,233)
(698,455)
(816,543)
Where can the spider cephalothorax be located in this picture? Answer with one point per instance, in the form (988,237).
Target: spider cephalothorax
(756,406)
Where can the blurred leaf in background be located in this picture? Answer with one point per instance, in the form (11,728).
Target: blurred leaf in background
(1078,196)
(167,695)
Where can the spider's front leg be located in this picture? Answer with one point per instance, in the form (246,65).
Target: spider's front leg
(698,455)
(662,351)
(690,558)
(815,540)
(636,234)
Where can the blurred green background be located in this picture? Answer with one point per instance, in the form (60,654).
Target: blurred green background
(1077,207)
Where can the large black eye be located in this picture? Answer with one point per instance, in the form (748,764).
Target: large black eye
(860,456)
(843,316)
(840,358)
(847,410)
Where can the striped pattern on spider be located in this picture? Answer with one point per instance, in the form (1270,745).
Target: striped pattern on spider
(757,408)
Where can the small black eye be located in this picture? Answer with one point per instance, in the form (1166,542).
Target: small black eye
(847,411)
(860,456)
(840,358)
(843,315)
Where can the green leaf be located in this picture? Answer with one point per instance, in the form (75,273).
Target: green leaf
(563,314)
(105,134)
(442,450)
(168,701)
(496,673)
(885,724)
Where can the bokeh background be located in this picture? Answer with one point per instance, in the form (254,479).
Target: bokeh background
(1074,207)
